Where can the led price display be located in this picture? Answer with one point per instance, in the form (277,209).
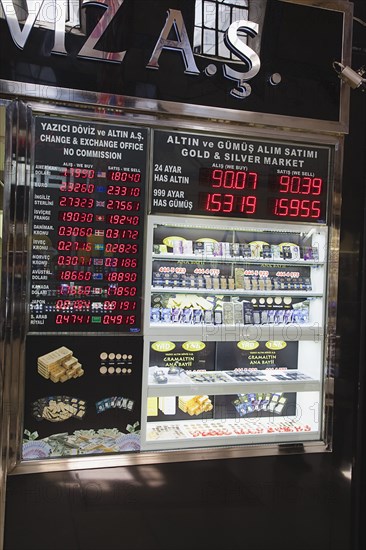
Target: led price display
(213,176)
(88,228)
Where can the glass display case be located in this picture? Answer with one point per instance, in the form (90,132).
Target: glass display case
(234,336)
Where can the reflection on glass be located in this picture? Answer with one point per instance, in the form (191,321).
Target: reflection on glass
(212,19)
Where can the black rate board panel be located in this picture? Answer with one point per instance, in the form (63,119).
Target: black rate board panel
(88,226)
(240,178)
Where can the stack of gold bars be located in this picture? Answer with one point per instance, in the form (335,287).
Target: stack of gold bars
(195,404)
(59,365)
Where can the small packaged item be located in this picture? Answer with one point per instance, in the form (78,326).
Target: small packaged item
(247,283)
(223,283)
(276,252)
(280,405)
(130,404)
(167,280)
(187,315)
(217,249)
(208,248)
(234,250)
(225,250)
(187,247)
(239,278)
(279,317)
(288,317)
(198,248)
(274,401)
(197,316)
(248,313)
(286,252)
(307,283)
(208,317)
(159,377)
(155,314)
(175,280)
(245,251)
(167,405)
(152,406)
(228,313)
(276,283)
(166,314)
(218,317)
(177,247)
(238,313)
(271,316)
(255,251)
(295,252)
(216,283)
(267,252)
(231,283)
(208,282)
(254,282)
(315,250)
(157,279)
(264,317)
(257,317)
(261,284)
(290,283)
(176,315)
(265,402)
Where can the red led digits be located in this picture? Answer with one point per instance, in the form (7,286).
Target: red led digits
(123,191)
(74,231)
(82,173)
(76,217)
(72,187)
(225,203)
(98,226)
(118,219)
(73,290)
(119,319)
(72,319)
(132,234)
(124,305)
(121,262)
(73,260)
(231,202)
(296,208)
(69,275)
(74,245)
(233,179)
(301,208)
(118,276)
(123,205)
(296,185)
(73,304)
(115,290)
(77,202)
(135,177)
(122,248)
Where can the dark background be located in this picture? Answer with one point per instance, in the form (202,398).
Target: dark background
(47,153)
(306,502)
(267,188)
(90,387)
(299,52)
